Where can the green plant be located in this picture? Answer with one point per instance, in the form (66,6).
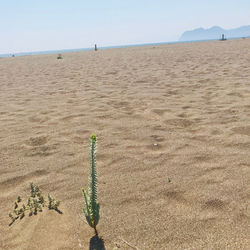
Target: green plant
(53,204)
(19,199)
(92,207)
(34,204)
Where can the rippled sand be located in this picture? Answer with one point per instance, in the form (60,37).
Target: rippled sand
(173,127)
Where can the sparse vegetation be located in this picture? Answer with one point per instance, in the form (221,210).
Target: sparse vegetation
(35,204)
(53,204)
(59,56)
(92,207)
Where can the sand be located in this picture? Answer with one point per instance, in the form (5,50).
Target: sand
(173,127)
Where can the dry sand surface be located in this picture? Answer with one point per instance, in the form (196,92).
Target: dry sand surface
(173,127)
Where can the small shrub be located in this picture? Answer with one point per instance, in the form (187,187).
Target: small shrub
(53,204)
(35,204)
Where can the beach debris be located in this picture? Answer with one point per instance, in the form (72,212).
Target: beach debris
(59,56)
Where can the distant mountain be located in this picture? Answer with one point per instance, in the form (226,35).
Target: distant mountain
(215,33)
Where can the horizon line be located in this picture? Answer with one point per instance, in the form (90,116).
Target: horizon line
(55,51)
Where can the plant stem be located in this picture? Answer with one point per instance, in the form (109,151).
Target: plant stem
(95,230)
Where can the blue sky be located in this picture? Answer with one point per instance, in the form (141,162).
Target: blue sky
(36,25)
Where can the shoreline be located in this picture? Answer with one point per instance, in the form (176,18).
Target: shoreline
(48,52)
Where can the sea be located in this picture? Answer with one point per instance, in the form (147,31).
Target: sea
(99,48)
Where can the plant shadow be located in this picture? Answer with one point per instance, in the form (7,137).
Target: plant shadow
(58,211)
(96,243)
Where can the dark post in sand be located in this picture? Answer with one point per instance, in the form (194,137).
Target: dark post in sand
(95,47)
(223,38)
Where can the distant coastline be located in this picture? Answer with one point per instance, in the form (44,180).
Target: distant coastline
(215,32)
(105,47)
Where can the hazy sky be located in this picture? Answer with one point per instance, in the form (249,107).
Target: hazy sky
(35,25)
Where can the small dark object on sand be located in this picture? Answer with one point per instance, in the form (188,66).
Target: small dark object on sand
(59,56)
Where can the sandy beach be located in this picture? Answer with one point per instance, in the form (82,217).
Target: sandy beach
(173,128)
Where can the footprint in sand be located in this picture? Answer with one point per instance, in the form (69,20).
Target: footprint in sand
(157,138)
(242,130)
(41,151)
(214,204)
(39,119)
(179,123)
(36,146)
(37,141)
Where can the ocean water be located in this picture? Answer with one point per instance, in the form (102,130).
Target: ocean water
(99,48)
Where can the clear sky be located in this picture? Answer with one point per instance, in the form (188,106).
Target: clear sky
(36,25)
